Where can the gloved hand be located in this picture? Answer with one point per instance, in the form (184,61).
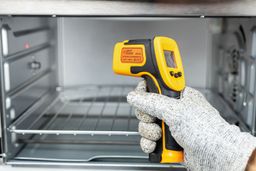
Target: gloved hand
(209,142)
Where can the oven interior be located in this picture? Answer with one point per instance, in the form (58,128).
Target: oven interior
(61,103)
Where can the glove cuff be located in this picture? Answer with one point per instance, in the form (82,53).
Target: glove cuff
(241,160)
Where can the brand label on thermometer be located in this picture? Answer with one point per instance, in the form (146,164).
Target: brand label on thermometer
(132,55)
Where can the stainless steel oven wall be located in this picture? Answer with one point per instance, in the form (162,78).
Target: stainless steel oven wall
(28,63)
(87,46)
(235,67)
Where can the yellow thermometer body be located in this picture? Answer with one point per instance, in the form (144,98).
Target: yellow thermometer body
(158,61)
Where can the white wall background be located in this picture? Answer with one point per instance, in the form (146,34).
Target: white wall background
(87,47)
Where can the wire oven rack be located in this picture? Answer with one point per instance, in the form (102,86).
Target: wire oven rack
(97,110)
(89,123)
(88,110)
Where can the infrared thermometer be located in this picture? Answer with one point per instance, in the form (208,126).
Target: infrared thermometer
(158,61)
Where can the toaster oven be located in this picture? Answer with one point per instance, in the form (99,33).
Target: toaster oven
(62,105)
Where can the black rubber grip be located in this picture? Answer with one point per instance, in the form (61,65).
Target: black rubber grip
(170,142)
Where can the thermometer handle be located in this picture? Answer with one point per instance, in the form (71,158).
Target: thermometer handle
(167,147)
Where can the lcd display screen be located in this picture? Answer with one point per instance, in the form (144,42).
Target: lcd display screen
(169,58)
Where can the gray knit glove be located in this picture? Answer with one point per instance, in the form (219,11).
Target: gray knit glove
(209,142)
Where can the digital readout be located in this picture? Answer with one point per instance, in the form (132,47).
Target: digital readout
(170,59)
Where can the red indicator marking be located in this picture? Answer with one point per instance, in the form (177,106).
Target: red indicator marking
(26,45)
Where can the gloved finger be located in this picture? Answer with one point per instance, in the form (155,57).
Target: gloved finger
(141,87)
(154,104)
(150,131)
(144,117)
(147,145)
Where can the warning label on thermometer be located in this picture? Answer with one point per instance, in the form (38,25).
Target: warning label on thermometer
(132,55)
